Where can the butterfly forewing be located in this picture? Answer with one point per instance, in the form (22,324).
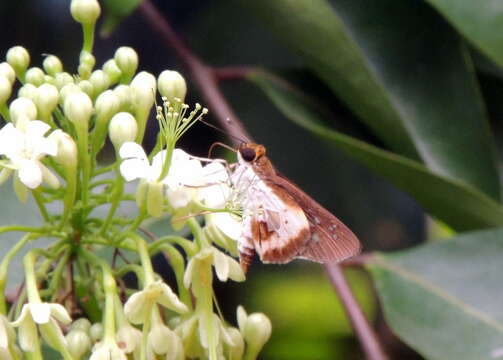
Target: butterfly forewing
(330,240)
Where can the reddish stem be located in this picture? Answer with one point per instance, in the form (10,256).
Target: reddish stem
(206,79)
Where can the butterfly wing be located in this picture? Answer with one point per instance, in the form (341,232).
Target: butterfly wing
(277,227)
(330,240)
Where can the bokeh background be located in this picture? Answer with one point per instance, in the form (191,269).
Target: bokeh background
(307,318)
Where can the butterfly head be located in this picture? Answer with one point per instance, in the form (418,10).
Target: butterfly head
(250,152)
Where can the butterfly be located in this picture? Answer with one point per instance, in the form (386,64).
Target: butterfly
(280,221)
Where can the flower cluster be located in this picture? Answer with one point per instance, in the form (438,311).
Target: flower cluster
(75,298)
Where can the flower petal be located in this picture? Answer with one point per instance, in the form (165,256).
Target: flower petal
(169,300)
(59,313)
(36,129)
(27,334)
(228,224)
(134,308)
(131,150)
(41,312)
(11,140)
(221,265)
(29,173)
(132,169)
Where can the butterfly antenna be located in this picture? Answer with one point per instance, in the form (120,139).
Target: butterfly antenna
(222,131)
(215,144)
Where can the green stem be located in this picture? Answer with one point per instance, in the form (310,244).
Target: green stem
(144,258)
(4,266)
(57,276)
(70,194)
(88,32)
(188,246)
(197,232)
(30,278)
(4,112)
(115,201)
(41,206)
(22,228)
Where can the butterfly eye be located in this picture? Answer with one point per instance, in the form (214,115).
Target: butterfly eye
(247,154)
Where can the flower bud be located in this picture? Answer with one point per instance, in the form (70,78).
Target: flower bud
(124,94)
(122,128)
(87,87)
(128,338)
(67,151)
(61,79)
(52,65)
(5,89)
(28,91)
(22,109)
(67,90)
(7,71)
(127,60)
(19,59)
(236,350)
(82,323)
(46,99)
(78,343)
(35,76)
(107,104)
(96,332)
(172,85)
(100,81)
(155,198)
(78,108)
(143,89)
(256,329)
(112,70)
(85,11)
(86,64)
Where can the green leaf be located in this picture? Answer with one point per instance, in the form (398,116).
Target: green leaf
(477,21)
(403,71)
(444,299)
(115,12)
(458,204)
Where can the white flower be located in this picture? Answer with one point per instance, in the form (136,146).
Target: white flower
(225,266)
(25,149)
(139,305)
(7,335)
(184,173)
(218,195)
(107,350)
(42,314)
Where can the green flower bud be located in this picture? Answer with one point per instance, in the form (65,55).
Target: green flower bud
(143,89)
(28,91)
(48,79)
(112,70)
(78,108)
(78,342)
(122,128)
(155,198)
(35,76)
(236,350)
(256,330)
(61,79)
(7,71)
(46,99)
(81,324)
(22,110)
(100,81)
(86,64)
(171,85)
(5,89)
(52,65)
(87,87)
(19,59)
(96,332)
(67,90)
(67,151)
(107,104)
(85,11)
(125,96)
(127,60)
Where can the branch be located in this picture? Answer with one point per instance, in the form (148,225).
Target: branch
(202,75)
(364,332)
(206,79)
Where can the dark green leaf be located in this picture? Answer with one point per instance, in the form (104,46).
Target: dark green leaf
(403,71)
(478,21)
(458,204)
(444,299)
